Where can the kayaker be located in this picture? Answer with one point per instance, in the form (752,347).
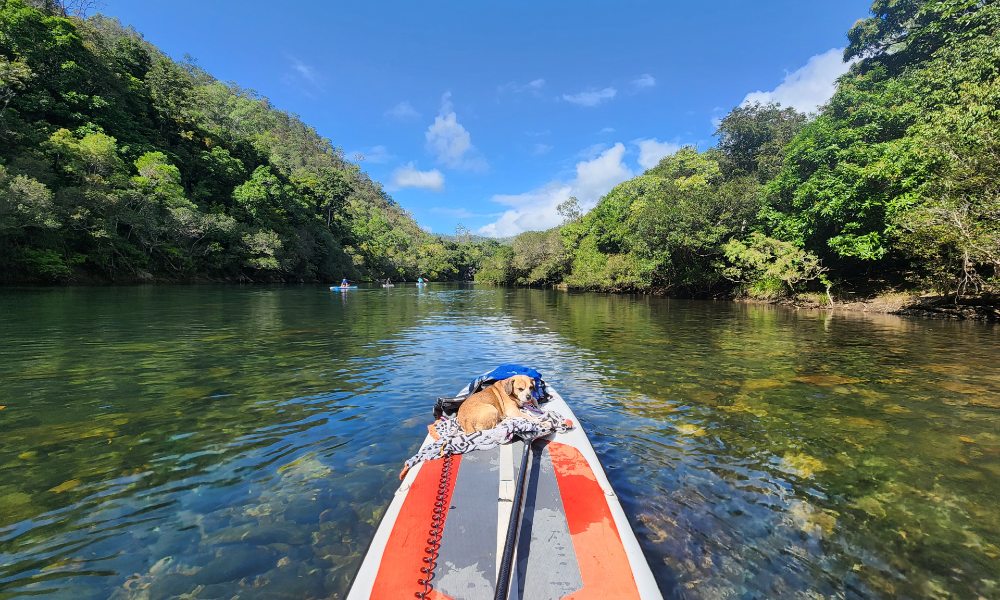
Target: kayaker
(420,279)
(344,283)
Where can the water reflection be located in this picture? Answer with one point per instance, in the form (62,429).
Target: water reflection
(795,451)
(220,440)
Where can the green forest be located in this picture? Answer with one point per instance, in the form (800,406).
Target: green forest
(892,185)
(120,164)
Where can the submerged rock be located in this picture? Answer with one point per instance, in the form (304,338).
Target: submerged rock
(303,511)
(801,464)
(170,585)
(274,534)
(292,583)
(234,563)
(65,486)
(263,535)
(305,468)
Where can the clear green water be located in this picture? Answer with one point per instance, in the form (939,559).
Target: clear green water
(224,441)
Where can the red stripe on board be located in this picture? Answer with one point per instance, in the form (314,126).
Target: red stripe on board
(604,566)
(404,553)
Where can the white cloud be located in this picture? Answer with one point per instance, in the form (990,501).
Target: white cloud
(652,150)
(408,176)
(450,142)
(534,86)
(643,81)
(303,77)
(537,209)
(403,111)
(595,177)
(447,139)
(529,211)
(592,151)
(717,115)
(305,71)
(607,130)
(591,97)
(808,87)
(376,155)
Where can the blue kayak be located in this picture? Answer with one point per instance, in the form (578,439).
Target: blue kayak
(337,288)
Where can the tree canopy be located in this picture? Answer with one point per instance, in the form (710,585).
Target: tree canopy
(892,181)
(119,163)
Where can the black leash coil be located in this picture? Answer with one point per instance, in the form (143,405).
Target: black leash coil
(437,528)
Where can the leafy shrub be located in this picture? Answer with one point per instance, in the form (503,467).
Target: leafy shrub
(769,268)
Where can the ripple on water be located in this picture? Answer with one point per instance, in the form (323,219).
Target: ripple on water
(222,441)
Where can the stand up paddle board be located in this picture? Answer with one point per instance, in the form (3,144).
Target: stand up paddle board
(448,522)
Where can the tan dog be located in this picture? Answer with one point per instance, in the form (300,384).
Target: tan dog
(486,408)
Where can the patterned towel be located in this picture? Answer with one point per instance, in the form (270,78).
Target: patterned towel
(450,439)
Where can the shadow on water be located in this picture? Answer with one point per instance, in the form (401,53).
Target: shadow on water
(216,441)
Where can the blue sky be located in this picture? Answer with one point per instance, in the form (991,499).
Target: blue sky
(489,114)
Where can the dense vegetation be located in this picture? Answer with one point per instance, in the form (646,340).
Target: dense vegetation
(118,163)
(893,183)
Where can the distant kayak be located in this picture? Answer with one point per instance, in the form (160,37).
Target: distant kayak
(388,285)
(337,288)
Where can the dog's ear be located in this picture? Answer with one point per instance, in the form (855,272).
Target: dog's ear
(508,386)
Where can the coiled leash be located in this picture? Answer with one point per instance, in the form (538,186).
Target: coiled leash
(437,528)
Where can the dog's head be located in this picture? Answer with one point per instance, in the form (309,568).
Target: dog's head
(520,387)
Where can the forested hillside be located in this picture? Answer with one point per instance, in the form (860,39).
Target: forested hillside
(892,185)
(119,164)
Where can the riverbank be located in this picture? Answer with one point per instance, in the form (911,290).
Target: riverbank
(905,303)
(928,305)
(919,304)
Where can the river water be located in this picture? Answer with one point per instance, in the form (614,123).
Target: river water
(222,441)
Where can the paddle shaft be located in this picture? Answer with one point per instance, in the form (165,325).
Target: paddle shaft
(507,559)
